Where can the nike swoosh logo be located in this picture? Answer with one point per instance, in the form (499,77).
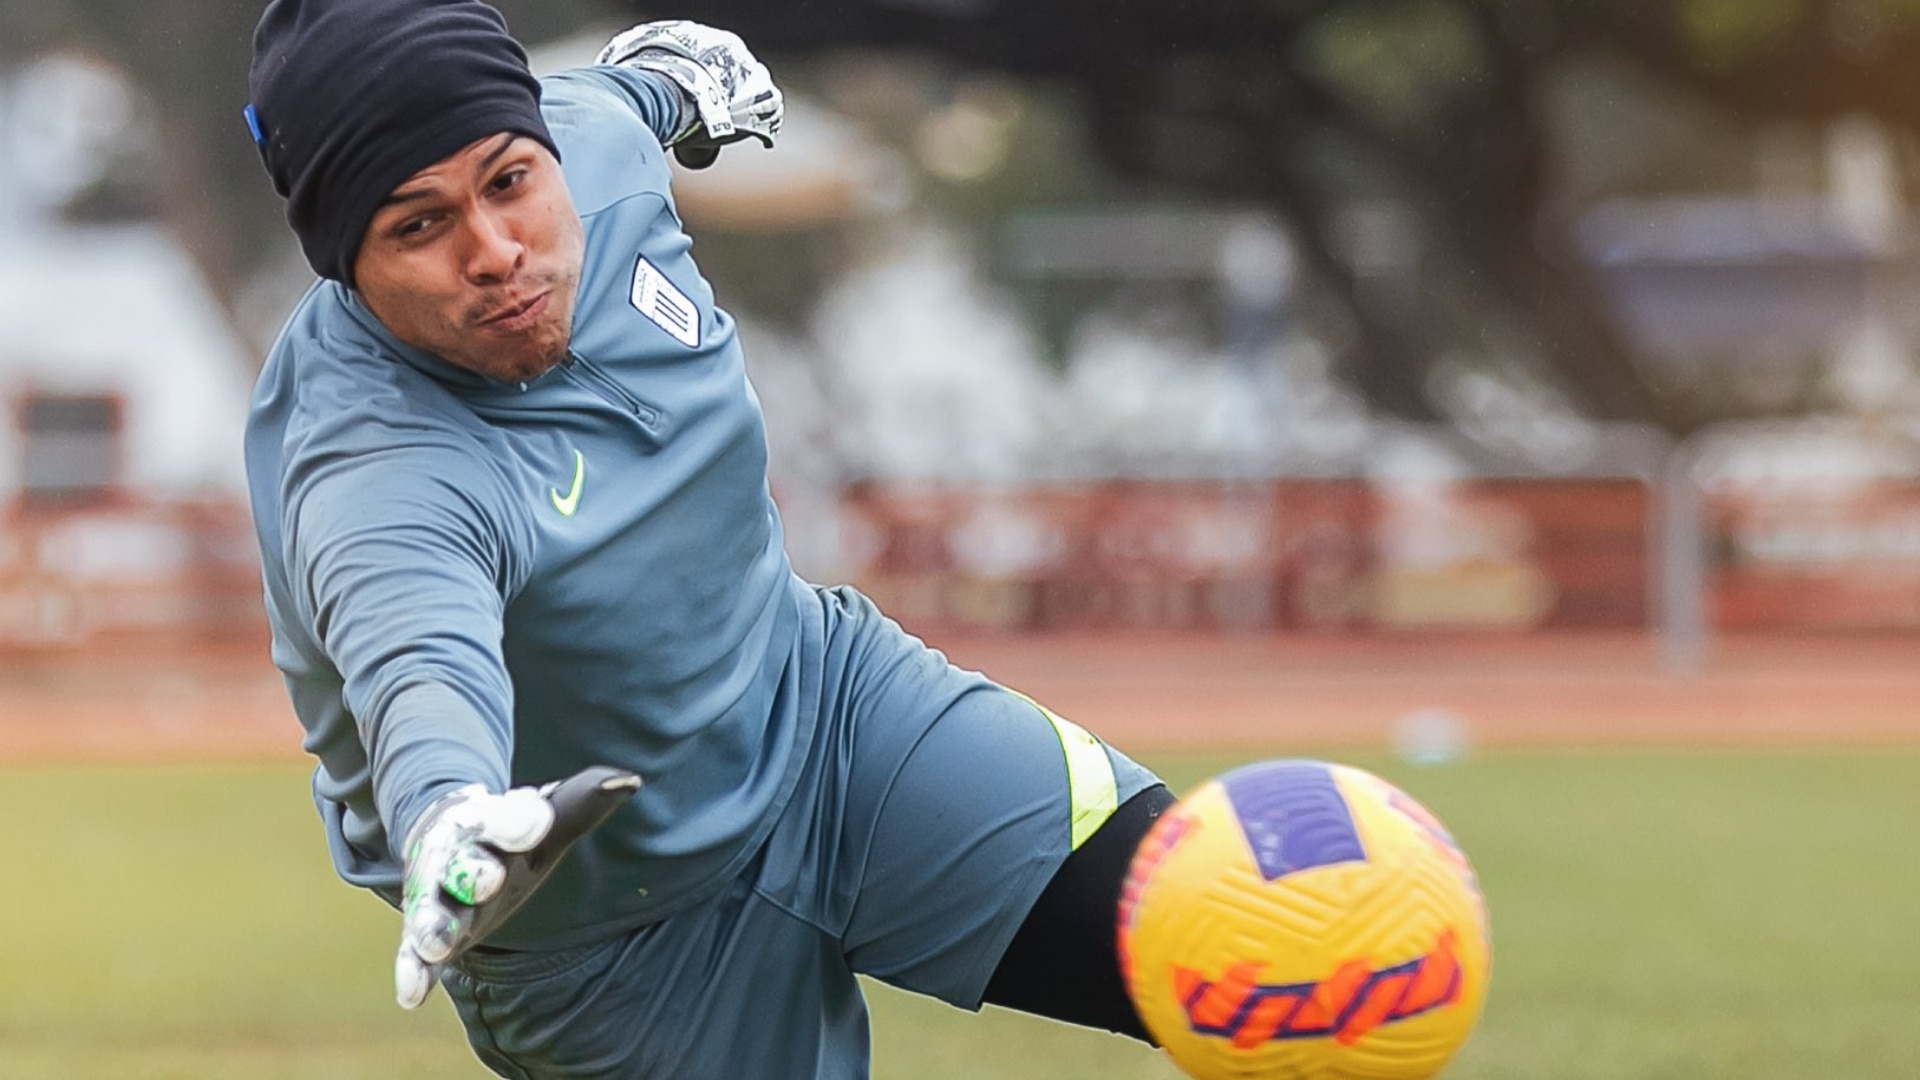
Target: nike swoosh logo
(570,502)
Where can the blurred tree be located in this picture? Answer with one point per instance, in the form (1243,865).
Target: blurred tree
(1335,112)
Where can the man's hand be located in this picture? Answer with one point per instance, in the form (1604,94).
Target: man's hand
(474,858)
(732,94)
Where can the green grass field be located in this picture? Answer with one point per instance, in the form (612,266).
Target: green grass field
(1690,915)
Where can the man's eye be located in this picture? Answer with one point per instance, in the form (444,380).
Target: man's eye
(412,227)
(509,180)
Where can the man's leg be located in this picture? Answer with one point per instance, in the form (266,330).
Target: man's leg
(986,835)
(950,806)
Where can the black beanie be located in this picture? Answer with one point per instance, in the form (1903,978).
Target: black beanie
(352,97)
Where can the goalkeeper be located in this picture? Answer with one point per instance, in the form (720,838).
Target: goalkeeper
(528,591)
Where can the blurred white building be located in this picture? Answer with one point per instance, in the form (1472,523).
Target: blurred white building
(119,373)
(123,394)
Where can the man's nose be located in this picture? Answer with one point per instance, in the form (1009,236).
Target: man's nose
(494,253)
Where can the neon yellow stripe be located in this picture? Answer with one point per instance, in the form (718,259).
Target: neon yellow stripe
(1090,784)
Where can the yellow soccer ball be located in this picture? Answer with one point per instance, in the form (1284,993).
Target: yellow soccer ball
(1296,920)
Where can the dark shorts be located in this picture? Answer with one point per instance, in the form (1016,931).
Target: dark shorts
(935,807)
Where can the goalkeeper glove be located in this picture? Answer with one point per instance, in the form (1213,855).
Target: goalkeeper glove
(473,858)
(732,94)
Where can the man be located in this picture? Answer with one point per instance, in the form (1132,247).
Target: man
(508,479)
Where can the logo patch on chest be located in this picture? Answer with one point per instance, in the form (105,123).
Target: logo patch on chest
(669,309)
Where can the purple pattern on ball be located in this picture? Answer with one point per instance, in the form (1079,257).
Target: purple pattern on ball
(1293,815)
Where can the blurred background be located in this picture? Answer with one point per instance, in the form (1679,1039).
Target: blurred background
(1516,396)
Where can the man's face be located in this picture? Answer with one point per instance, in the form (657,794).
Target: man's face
(476,259)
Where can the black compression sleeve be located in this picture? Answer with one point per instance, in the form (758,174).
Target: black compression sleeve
(1064,960)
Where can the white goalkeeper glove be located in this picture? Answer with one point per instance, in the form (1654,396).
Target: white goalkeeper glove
(732,94)
(473,858)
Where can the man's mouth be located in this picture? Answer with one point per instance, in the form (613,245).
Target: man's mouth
(516,317)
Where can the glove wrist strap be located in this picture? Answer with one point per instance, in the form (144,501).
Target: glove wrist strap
(699,87)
